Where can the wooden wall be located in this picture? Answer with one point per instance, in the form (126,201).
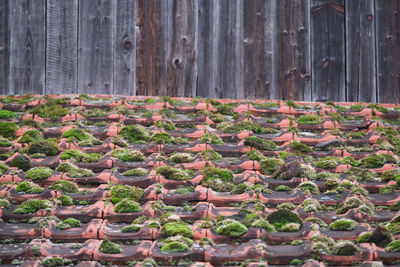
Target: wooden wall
(311,50)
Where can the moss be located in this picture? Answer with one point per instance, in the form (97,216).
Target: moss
(212,172)
(281,217)
(53,262)
(283,188)
(5,142)
(217,184)
(230,228)
(177,228)
(343,225)
(165,124)
(394,246)
(362,175)
(162,138)
(95,113)
(136,172)
(259,143)
(372,161)
(206,241)
(349,161)
(390,175)
(5,203)
(74,171)
(135,133)
(296,261)
(28,187)
(66,200)
(345,248)
(309,186)
(174,173)
(300,148)
(120,192)
(110,247)
(210,154)
(310,119)
(82,137)
(65,186)
(317,221)
(327,163)
(31,136)
(209,138)
(355,202)
(290,227)
(128,155)
(69,223)
(3,168)
(32,206)
(46,147)
(294,168)
(21,162)
(241,188)
(181,140)
(80,156)
(286,205)
(290,103)
(39,173)
(8,129)
(127,206)
(393,227)
(254,155)
(228,127)
(181,157)
(6,114)
(184,191)
(175,246)
(270,165)
(387,189)
(311,205)
(364,237)
(263,224)
(131,228)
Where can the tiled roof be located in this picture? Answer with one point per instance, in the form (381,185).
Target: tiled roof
(98,180)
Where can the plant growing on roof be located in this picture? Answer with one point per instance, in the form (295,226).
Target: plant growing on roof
(210,138)
(127,206)
(80,156)
(270,165)
(47,147)
(136,172)
(73,171)
(230,227)
(82,137)
(128,155)
(21,162)
(210,154)
(259,143)
(281,217)
(174,173)
(110,247)
(177,228)
(8,129)
(28,187)
(135,134)
(180,157)
(31,136)
(300,148)
(327,163)
(68,223)
(343,225)
(39,173)
(65,186)
(310,119)
(120,192)
(32,206)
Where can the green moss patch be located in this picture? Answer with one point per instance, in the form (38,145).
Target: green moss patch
(120,192)
(39,173)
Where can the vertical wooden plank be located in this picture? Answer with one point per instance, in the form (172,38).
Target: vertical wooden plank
(257,43)
(95,61)
(152,47)
(292,50)
(4,47)
(182,45)
(328,50)
(360,51)
(230,50)
(207,48)
(125,47)
(61,46)
(27,46)
(388,50)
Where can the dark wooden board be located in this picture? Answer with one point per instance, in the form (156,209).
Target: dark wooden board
(4,47)
(257,41)
(124,39)
(95,50)
(360,51)
(61,46)
(230,74)
(152,47)
(328,50)
(388,50)
(27,46)
(292,50)
(182,48)
(207,48)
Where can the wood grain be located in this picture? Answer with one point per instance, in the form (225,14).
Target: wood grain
(360,51)
(27,46)
(182,46)
(388,50)
(328,50)
(95,63)
(124,39)
(292,50)
(61,46)
(152,47)
(4,47)
(257,41)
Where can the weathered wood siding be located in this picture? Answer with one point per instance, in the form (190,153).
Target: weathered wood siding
(273,49)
